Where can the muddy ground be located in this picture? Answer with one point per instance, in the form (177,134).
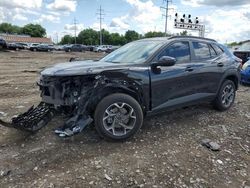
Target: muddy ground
(167,152)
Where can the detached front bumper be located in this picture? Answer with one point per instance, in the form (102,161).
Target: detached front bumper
(32,120)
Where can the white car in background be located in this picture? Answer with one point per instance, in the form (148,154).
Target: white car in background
(102,48)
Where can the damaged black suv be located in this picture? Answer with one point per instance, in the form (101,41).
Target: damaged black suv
(142,78)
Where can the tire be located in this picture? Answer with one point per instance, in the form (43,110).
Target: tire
(114,113)
(226,96)
(34,50)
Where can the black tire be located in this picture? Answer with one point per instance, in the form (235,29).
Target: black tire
(105,104)
(219,103)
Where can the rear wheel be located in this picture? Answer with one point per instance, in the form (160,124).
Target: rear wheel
(118,117)
(225,97)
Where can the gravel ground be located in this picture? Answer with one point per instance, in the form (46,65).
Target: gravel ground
(167,152)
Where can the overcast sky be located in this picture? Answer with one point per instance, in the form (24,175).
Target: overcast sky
(225,20)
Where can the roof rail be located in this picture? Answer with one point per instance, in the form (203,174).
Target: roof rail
(193,37)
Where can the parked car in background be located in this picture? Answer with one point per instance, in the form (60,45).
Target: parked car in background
(245,73)
(243,52)
(102,48)
(42,48)
(75,48)
(14,46)
(59,47)
(24,45)
(113,48)
(91,48)
(3,43)
(32,45)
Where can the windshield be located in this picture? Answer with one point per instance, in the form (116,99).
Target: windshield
(134,52)
(245,47)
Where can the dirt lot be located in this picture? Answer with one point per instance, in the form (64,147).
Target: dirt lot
(167,152)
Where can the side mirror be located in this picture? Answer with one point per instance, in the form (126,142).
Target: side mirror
(164,61)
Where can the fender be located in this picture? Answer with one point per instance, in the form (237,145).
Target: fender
(105,86)
(232,72)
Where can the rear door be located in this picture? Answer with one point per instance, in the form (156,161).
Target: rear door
(207,68)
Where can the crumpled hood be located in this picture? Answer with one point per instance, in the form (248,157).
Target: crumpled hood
(79,68)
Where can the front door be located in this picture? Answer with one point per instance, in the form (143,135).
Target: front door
(170,86)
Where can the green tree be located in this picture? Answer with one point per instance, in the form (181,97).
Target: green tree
(184,33)
(106,37)
(9,28)
(131,35)
(117,39)
(67,39)
(34,30)
(154,34)
(88,37)
(233,44)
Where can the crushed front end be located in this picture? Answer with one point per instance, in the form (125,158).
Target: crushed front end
(70,96)
(67,95)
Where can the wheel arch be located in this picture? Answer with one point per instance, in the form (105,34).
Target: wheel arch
(108,90)
(232,75)
(234,79)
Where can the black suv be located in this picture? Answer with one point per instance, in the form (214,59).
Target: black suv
(142,78)
(75,48)
(42,48)
(3,43)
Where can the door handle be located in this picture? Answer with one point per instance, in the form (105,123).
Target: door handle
(220,64)
(189,69)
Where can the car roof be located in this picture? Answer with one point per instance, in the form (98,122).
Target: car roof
(179,37)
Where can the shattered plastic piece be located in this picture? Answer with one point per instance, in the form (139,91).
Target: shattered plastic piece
(74,126)
(210,144)
(5,173)
(107,177)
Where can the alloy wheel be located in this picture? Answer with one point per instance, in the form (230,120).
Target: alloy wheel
(119,119)
(228,95)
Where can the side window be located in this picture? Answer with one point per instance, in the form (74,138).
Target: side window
(218,50)
(178,50)
(212,51)
(201,50)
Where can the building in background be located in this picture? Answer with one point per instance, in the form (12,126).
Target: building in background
(25,39)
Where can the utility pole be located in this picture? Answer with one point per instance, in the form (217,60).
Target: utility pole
(75,22)
(57,38)
(100,13)
(166,8)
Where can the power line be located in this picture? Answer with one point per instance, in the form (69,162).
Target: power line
(166,8)
(100,13)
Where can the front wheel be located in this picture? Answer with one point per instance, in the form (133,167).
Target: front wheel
(225,98)
(118,117)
